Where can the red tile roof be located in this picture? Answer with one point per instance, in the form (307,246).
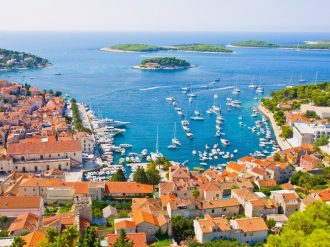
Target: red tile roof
(19,202)
(127,188)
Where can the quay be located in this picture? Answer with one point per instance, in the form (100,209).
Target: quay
(283,144)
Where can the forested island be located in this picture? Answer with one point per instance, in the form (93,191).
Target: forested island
(163,63)
(14,60)
(203,48)
(316,45)
(255,43)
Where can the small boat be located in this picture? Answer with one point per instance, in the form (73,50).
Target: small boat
(57,74)
(235,151)
(124,145)
(189,135)
(194,152)
(203,164)
(260,89)
(171,146)
(144,153)
(197,118)
(170,98)
(225,142)
(301,79)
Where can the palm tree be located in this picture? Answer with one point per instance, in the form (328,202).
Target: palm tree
(18,242)
(51,234)
(71,234)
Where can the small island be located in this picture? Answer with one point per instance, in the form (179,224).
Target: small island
(204,48)
(308,45)
(14,60)
(163,63)
(201,48)
(255,44)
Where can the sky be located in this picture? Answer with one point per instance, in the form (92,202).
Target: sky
(166,15)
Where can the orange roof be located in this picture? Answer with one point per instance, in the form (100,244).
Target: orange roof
(65,219)
(138,239)
(128,188)
(230,202)
(324,194)
(33,239)
(44,147)
(310,158)
(19,202)
(266,183)
(263,163)
(297,117)
(287,186)
(167,198)
(41,182)
(245,194)
(140,216)
(27,221)
(254,224)
(81,188)
(289,196)
(209,223)
(235,167)
(259,171)
(125,224)
(246,159)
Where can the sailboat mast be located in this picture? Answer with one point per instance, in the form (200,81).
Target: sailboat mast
(157,140)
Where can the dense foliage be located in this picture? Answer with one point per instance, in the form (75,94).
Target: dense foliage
(151,176)
(166,62)
(308,228)
(322,141)
(78,126)
(10,60)
(118,176)
(286,132)
(138,47)
(97,206)
(255,43)
(183,229)
(88,239)
(122,240)
(203,48)
(308,181)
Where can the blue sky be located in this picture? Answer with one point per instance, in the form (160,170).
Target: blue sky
(166,15)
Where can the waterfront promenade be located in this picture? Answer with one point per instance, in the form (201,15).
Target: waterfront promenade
(277,129)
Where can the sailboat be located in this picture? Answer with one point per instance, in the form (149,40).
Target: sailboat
(260,89)
(252,84)
(301,79)
(290,83)
(215,107)
(191,94)
(298,49)
(156,155)
(316,75)
(197,116)
(175,140)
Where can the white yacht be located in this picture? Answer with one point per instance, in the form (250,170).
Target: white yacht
(197,118)
(170,98)
(189,135)
(225,142)
(175,140)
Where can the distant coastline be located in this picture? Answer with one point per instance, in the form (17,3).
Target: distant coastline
(198,48)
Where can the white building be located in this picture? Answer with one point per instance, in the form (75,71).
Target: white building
(304,133)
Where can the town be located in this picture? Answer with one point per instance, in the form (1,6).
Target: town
(48,143)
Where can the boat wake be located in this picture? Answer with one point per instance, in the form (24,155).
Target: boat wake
(153,88)
(215,89)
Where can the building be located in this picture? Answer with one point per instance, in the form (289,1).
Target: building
(13,206)
(127,189)
(211,228)
(321,111)
(321,195)
(178,172)
(86,140)
(288,201)
(304,133)
(249,230)
(138,239)
(125,223)
(24,223)
(39,157)
(309,162)
(235,167)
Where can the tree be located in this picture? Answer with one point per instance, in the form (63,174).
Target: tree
(51,234)
(270,223)
(122,240)
(118,176)
(322,141)
(89,238)
(277,157)
(217,243)
(18,242)
(153,175)
(286,132)
(195,193)
(183,229)
(140,176)
(303,229)
(71,234)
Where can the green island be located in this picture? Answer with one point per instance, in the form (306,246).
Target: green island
(184,48)
(14,60)
(255,43)
(163,63)
(316,45)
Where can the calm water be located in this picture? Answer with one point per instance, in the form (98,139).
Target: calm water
(106,82)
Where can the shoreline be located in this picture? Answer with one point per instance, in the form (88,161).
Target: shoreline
(285,48)
(283,144)
(140,67)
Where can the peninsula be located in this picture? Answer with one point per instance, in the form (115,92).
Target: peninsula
(308,45)
(14,60)
(163,63)
(201,48)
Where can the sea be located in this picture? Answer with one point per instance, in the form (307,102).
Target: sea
(107,83)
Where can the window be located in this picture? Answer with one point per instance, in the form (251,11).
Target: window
(50,156)
(224,209)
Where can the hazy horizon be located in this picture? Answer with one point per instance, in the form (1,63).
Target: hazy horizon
(165,16)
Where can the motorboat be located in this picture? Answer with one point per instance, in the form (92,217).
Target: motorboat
(225,142)
(189,135)
(197,118)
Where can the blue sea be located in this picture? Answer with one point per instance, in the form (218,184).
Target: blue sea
(105,81)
